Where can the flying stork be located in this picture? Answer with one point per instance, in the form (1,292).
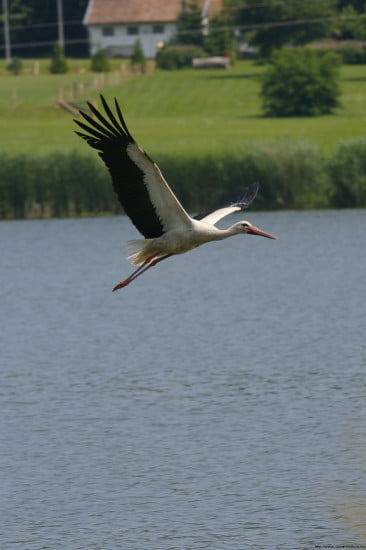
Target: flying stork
(148,200)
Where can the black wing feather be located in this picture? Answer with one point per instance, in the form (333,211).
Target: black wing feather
(119,125)
(243,202)
(100,134)
(104,123)
(122,120)
(111,138)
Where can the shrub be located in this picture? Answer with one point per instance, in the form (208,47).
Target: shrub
(99,62)
(15,66)
(177,57)
(348,173)
(352,55)
(301,82)
(58,62)
(57,184)
(138,58)
(16,179)
(291,175)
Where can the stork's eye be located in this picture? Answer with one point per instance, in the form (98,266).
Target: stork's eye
(245,225)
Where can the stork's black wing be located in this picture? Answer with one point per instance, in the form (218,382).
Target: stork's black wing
(111,137)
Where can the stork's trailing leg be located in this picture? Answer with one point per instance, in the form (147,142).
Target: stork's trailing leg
(150,262)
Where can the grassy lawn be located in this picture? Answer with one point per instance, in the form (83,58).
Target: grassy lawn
(181,112)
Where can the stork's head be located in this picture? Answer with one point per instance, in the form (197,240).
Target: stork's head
(250,229)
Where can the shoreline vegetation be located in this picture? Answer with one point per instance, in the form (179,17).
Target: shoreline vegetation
(291,175)
(205,129)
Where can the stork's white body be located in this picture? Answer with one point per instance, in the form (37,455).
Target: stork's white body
(176,241)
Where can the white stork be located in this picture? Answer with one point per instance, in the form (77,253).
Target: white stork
(148,200)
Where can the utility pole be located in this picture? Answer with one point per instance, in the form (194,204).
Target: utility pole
(6,31)
(60,20)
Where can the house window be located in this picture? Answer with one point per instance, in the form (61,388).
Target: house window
(107,31)
(132,30)
(158,29)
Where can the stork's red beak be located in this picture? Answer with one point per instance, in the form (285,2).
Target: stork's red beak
(256,231)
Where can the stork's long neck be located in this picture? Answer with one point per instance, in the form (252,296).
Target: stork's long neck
(225,233)
(206,232)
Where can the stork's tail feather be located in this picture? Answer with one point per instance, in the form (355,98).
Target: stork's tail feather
(135,251)
(141,250)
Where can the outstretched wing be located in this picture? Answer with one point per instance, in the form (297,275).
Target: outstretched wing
(215,214)
(140,186)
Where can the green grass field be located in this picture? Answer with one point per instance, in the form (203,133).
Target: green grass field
(173,113)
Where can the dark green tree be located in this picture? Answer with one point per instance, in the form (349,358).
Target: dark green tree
(138,59)
(283,22)
(301,82)
(99,62)
(220,39)
(15,66)
(350,25)
(189,24)
(58,62)
(358,5)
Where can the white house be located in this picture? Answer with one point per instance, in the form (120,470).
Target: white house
(115,25)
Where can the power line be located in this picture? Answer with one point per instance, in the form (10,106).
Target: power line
(45,43)
(265,5)
(293,22)
(43,25)
(225,10)
(274,24)
(224,28)
(297,22)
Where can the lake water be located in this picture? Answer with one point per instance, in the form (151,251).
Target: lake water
(218,402)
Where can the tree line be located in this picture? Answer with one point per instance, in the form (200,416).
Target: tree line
(292,175)
(278,22)
(271,24)
(34,22)
(267,25)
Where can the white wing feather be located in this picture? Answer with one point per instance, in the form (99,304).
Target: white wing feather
(217,215)
(167,206)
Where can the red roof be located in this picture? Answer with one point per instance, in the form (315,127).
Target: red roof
(102,12)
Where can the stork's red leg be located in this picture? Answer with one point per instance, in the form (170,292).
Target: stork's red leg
(125,282)
(150,262)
